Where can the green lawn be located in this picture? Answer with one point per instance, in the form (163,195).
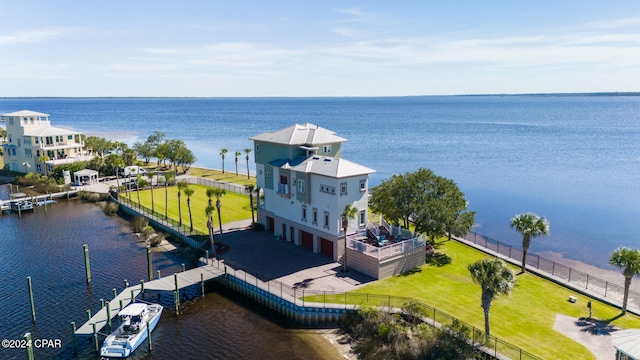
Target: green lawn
(228,176)
(524,319)
(234,206)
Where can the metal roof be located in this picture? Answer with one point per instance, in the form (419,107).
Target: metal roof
(331,167)
(627,342)
(47,131)
(300,134)
(26,113)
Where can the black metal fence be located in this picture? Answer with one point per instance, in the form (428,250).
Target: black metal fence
(573,276)
(235,188)
(301,296)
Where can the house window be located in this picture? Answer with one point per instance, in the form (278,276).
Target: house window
(301,186)
(304,213)
(257,148)
(343,188)
(27,153)
(70,137)
(326,149)
(363,217)
(314,220)
(328,189)
(268,174)
(10,121)
(326,219)
(363,185)
(284,179)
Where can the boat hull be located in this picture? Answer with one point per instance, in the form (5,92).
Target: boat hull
(116,347)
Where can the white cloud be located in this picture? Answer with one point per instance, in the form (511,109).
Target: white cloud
(140,67)
(29,36)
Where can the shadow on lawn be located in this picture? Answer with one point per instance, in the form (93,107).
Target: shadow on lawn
(596,327)
(438,259)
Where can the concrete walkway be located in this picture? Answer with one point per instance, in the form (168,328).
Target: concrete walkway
(271,259)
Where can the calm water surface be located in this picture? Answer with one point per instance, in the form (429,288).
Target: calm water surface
(49,249)
(573,159)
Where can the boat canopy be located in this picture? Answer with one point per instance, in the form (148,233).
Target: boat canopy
(133,310)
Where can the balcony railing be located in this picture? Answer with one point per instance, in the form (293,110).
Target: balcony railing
(283,189)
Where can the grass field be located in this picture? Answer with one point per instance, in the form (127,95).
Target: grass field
(234,206)
(211,174)
(524,319)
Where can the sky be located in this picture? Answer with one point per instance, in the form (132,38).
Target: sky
(272,48)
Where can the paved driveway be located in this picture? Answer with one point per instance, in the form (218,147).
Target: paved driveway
(297,266)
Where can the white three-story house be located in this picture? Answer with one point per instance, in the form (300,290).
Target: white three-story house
(307,186)
(33,145)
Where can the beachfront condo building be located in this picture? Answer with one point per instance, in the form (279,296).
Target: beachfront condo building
(33,145)
(307,185)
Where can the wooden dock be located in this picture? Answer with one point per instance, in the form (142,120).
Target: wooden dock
(184,279)
(173,282)
(100,318)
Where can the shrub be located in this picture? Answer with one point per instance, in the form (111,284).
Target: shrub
(111,208)
(148,232)
(139,223)
(156,240)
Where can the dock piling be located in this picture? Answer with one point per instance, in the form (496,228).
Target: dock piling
(149,335)
(183,268)
(88,314)
(95,337)
(109,314)
(29,347)
(33,308)
(73,337)
(101,303)
(133,297)
(202,283)
(206,257)
(149,263)
(142,287)
(87,266)
(158,274)
(115,293)
(126,283)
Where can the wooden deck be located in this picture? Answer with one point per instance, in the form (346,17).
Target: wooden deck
(167,283)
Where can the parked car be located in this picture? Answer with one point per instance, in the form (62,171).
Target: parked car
(132,171)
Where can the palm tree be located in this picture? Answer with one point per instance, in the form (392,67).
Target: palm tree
(141,183)
(117,163)
(250,189)
(530,226)
(247,151)
(209,211)
(628,260)
(222,152)
(150,175)
(218,193)
(238,153)
(43,159)
(181,186)
(349,212)
(167,179)
(495,279)
(189,191)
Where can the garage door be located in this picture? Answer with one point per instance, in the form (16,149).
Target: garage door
(326,247)
(307,239)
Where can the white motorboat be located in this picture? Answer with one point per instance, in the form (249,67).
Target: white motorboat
(132,331)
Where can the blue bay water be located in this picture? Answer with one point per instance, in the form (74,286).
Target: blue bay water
(573,159)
